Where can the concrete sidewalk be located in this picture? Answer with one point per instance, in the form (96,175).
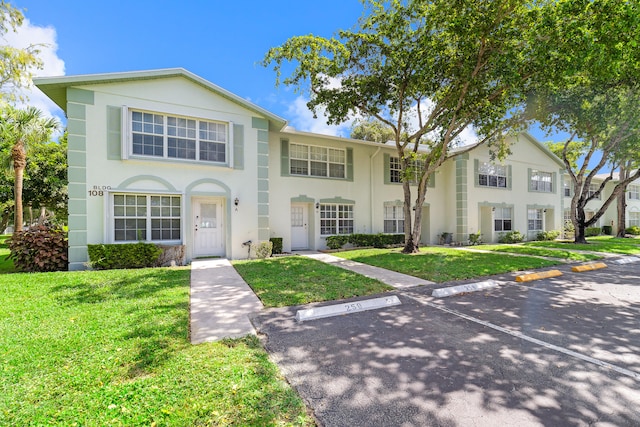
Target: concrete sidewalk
(391,278)
(220,302)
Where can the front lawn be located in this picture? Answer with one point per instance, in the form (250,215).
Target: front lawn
(629,246)
(296,280)
(6,265)
(111,348)
(540,251)
(444,264)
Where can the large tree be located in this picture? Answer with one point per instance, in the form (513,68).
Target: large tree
(594,99)
(19,129)
(426,69)
(16,64)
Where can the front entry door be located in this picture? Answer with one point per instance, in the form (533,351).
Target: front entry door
(208,234)
(299,226)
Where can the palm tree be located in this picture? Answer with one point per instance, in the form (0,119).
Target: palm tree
(18,129)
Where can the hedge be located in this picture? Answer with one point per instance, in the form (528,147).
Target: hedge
(125,255)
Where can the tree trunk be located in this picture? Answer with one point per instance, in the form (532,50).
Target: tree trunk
(410,242)
(622,214)
(17,189)
(580,234)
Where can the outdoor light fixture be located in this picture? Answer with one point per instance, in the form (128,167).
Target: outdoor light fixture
(236,201)
(317,205)
(544,210)
(493,209)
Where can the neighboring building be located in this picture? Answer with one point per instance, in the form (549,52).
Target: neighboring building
(167,157)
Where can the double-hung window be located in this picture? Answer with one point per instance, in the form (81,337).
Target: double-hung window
(568,188)
(174,137)
(502,219)
(336,219)
(393,219)
(492,175)
(634,192)
(416,169)
(534,219)
(634,219)
(146,217)
(541,181)
(310,160)
(593,189)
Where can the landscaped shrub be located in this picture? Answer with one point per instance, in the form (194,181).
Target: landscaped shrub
(548,235)
(475,238)
(262,249)
(511,237)
(376,240)
(592,231)
(277,245)
(39,249)
(607,229)
(635,230)
(125,255)
(336,242)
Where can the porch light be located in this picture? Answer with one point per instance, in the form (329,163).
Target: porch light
(317,205)
(236,201)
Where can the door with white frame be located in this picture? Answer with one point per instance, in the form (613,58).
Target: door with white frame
(299,226)
(208,227)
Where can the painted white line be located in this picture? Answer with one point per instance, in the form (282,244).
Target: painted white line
(627,260)
(468,287)
(346,308)
(536,289)
(620,370)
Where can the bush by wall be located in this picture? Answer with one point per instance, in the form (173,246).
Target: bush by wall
(475,238)
(125,255)
(262,250)
(591,231)
(607,229)
(336,242)
(39,249)
(277,245)
(635,230)
(511,237)
(548,235)
(364,240)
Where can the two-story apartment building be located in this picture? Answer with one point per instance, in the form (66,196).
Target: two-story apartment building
(165,156)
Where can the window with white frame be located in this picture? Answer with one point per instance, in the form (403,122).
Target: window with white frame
(593,189)
(541,181)
(146,217)
(502,219)
(568,188)
(633,218)
(393,219)
(534,219)
(395,170)
(567,216)
(492,175)
(634,192)
(310,160)
(336,219)
(174,137)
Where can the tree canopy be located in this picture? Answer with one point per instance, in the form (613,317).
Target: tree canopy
(426,69)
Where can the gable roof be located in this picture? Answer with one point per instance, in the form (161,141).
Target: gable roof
(542,148)
(56,88)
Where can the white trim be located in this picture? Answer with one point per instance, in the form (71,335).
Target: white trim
(125,137)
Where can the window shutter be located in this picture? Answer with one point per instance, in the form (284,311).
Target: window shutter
(349,164)
(238,146)
(554,182)
(476,167)
(432,180)
(114,133)
(387,173)
(509,177)
(284,157)
(529,179)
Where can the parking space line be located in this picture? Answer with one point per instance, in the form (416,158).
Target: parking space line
(533,340)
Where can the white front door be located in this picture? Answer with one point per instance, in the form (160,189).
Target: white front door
(208,233)
(299,226)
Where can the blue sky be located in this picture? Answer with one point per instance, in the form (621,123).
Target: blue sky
(222,42)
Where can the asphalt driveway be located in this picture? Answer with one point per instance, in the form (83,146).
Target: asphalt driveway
(556,352)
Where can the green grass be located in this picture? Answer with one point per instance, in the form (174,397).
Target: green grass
(296,280)
(6,265)
(445,264)
(539,251)
(598,244)
(111,348)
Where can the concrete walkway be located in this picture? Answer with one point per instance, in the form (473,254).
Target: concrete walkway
(220,302)
(391,278)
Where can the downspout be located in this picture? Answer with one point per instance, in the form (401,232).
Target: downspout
(371,189)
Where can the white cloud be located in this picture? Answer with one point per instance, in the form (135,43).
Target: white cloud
(301,118)
(45,37)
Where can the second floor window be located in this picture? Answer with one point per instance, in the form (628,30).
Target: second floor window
(174,137)
(309,160)
(593,189)
(541,181)
(634,192)
(395,171)
(568,186)
(491,175)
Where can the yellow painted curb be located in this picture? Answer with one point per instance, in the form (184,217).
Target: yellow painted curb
(589,267)
(535,276)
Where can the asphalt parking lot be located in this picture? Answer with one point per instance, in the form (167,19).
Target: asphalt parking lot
(563,351)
